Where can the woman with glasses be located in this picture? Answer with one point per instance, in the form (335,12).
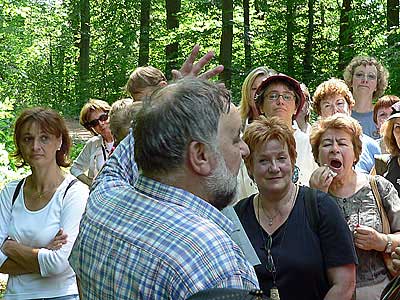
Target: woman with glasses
(365,200)
(298,260)
(281,96)
(367,79)
(94,117)
(333,96)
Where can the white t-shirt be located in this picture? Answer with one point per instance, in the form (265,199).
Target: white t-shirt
(305,159)
(36,229)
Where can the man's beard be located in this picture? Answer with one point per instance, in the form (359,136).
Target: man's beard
(221,184)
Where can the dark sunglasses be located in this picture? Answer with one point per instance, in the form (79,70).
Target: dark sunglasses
(270,265)
(96,122)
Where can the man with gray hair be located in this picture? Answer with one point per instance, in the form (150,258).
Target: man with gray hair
(165,238)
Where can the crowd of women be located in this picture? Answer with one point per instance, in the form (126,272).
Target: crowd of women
(320,219)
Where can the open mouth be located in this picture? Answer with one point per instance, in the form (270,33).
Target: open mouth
(336,164)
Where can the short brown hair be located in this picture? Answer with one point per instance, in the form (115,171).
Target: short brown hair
(265,129)
(90,106)
(388,137)
(143,77)
(382,76)
(336,121)
(384,102)
(50,122)
(329,88)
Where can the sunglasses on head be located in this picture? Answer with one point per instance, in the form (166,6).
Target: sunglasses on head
(95,122)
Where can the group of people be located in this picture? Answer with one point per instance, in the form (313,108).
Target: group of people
(189,192)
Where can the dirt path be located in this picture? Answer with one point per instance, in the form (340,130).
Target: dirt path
(77,132)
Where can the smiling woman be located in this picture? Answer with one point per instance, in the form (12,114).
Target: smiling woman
(336,143)
(276,223)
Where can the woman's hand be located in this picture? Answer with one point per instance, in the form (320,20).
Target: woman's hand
(59,240)
(322,178)
(396,258)
(367,238)
(8,245)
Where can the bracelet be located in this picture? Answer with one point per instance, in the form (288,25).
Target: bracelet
(389,244)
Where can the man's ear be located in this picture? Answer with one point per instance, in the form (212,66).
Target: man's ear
(162,83)
(200,158)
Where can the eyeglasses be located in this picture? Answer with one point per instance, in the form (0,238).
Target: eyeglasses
(361,76)
(270,265)
(95,122)
(275,96)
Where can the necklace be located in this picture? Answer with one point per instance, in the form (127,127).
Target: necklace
(274,291)
(271,218)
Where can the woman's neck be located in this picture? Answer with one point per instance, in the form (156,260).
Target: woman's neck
(42,179)
(275,201)
(363,103)
(345,186)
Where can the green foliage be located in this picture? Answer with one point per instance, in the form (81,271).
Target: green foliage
(39,49)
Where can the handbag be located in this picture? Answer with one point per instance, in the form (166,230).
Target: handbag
(385,225)
(392,290)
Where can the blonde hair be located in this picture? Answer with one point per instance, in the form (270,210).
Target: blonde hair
(122,115)
(341,122)
(246,101)
(143,77)
(382,76)
(331,87)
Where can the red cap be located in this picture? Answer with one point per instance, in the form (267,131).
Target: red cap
(293,83)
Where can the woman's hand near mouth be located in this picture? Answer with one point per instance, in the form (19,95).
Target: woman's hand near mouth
(322,178)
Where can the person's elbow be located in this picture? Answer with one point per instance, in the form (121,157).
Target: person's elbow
(52,265)
(343,280)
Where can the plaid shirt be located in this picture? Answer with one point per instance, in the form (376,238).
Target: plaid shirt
(154,241)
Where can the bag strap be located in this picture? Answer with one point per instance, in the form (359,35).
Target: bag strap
(379,204)
(19,185)
(69,185)
(310,201)
(16,192)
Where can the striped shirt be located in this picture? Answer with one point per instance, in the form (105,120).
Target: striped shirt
(154,241)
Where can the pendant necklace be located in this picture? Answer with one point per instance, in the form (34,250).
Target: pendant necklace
(274,292)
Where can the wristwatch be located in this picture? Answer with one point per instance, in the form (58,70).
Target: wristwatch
(389,244)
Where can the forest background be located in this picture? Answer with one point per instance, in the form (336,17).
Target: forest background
(60,53)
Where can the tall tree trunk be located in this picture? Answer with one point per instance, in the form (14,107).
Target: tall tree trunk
(173,8)
(246,34)
(289,35)
(144,38)
(308,55)
(392,19)
(84,52)
(225,55)
(345,36)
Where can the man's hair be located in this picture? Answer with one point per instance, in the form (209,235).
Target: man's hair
(174,116)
